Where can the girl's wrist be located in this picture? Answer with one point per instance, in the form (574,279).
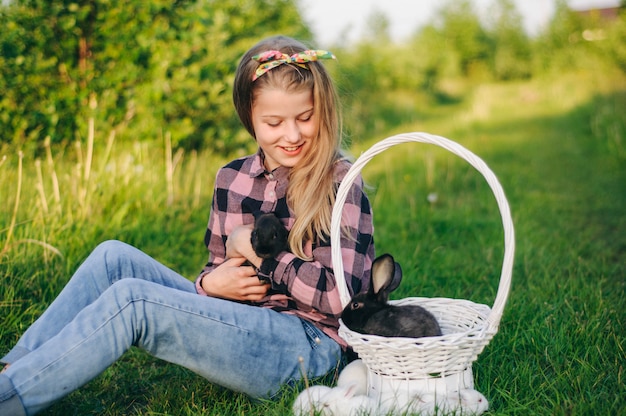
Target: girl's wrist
(204,283)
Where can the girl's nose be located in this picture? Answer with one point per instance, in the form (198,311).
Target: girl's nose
(292,134)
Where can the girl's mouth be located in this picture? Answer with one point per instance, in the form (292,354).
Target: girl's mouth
(292,149)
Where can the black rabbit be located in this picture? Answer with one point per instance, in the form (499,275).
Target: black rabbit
(369,313)
(269,236)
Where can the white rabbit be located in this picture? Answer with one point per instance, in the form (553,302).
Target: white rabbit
(342,401)
(472,402)
(464,402)
(429,404)
(310,400)
(338,401)
(354,373)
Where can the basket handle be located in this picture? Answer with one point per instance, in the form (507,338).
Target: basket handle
(419,137)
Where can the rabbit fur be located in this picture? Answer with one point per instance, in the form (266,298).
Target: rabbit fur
(268,238)
(355,374)
(337,401)
(465,402)
(309,400)
(369,313)
(343,401)
(269,235)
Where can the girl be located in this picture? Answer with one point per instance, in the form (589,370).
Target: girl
(230,324)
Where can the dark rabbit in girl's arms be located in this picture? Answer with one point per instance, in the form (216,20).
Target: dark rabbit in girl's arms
(369,313)
(269,235)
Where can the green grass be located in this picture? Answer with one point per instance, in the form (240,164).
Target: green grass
(557,147)
(561,345)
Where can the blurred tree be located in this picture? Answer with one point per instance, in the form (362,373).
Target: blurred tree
(615,47)
(605,32)
(512,50)
(427,46)
(147,68)
(370,74)
(558,47)
(465,36)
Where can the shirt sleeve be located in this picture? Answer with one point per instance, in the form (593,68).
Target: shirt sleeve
(215,236)
(312,284)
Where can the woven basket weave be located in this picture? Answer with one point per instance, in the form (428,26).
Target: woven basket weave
(467,326)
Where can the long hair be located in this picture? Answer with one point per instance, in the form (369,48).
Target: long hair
(311,190)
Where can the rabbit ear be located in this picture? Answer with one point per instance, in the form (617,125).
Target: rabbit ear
(347,392)
(397,278)
(384,276)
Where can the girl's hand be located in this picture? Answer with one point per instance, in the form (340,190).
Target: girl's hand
(232,281)
(238,245)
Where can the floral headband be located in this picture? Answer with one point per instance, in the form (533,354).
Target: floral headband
(272,59)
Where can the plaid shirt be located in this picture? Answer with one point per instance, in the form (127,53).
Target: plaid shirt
(304,288)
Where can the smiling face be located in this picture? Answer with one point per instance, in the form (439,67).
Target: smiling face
(285,124)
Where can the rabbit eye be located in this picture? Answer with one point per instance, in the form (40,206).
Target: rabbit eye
(356,305)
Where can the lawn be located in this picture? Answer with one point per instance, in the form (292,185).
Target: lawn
(557,146)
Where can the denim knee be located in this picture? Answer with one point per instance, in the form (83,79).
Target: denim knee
(110,248)
(113,257)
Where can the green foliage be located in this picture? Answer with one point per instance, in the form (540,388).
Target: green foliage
(612,39)
(559,47)
(512,53)
(575,41)
(163,69)
(142,69)
(465,36)
(385,84)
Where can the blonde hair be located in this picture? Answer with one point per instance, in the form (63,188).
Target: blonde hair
(311,191)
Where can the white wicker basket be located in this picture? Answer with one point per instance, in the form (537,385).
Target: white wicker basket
(432,364)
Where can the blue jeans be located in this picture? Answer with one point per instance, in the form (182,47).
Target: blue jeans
(120,297)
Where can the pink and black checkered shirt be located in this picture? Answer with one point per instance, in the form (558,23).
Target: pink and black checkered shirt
(304,288)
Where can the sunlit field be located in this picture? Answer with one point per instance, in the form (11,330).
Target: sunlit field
(557,145)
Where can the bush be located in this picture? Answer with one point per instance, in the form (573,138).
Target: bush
(142,69)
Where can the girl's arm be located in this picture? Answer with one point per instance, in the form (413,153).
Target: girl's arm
(223,275)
